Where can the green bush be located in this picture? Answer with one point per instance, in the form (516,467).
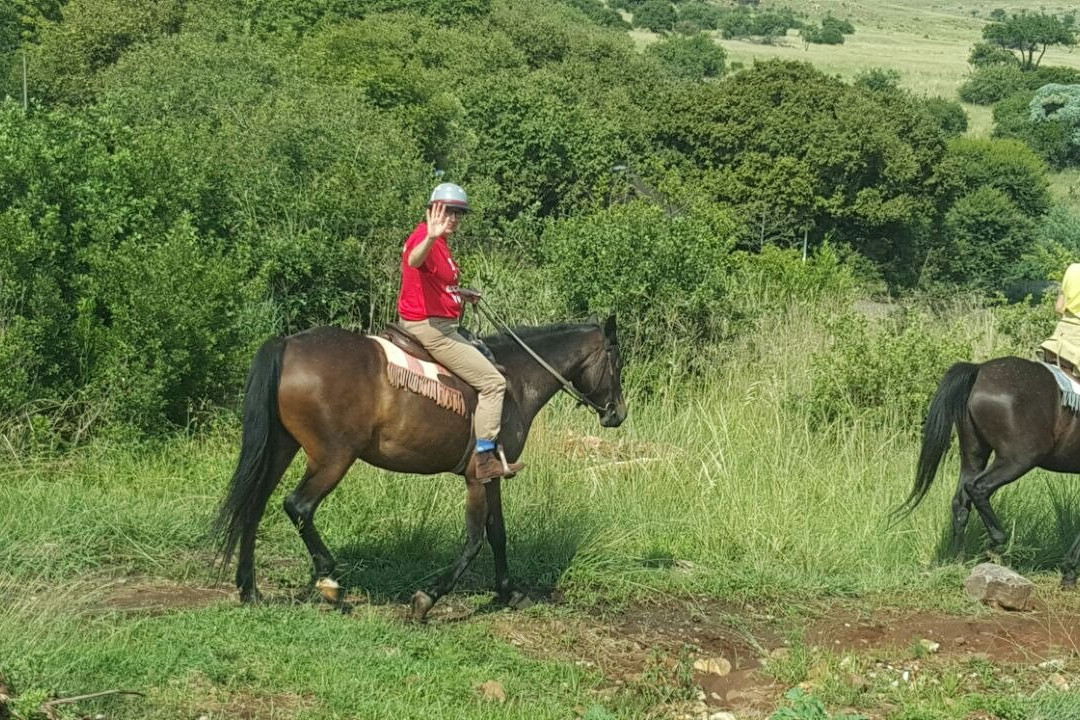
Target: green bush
(1052,138)
(840,25)
(812,34)
(692,58)
(700,15)
(665,275)
(983,53)
(948,114)
(881,370)
(878,79)
(93,35)
(655,15)
(987,235)
(988,84)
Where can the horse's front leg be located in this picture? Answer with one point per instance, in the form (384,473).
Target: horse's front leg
(496,533)
(476,512)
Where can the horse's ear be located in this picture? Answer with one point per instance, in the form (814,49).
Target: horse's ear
(609,327)
(593,319)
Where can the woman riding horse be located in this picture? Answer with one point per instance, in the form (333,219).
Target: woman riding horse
(328,391)
(430,305)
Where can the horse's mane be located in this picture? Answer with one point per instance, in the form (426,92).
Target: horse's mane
(527,332)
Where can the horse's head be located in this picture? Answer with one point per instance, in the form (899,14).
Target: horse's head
(600,380)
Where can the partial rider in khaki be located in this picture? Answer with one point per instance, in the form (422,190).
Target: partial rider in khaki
(430,305)
(1065,342)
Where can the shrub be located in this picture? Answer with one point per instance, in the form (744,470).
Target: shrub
(878,79)
(842,26)
(92,36)
(665,275)
(988,84)
(821,36)
(1050,137)
(700,15)
(881,370)
(692,58)
(656,15)
(983,54)
(948,114)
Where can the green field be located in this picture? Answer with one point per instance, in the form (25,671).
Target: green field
(720,520)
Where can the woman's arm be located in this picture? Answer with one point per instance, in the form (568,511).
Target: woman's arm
(437,224)
(1059,304)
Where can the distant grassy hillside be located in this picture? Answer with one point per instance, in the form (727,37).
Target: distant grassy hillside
(926,41)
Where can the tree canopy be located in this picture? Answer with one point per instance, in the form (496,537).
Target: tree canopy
(1027,33)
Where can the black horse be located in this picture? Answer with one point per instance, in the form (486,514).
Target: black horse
(1013,408)
(327,390)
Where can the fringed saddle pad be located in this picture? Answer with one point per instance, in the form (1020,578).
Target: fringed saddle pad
(1070,389)
(405,371)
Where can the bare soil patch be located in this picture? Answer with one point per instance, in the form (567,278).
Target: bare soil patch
(138,595)
(892,640)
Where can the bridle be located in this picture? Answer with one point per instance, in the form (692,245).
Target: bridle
(567,386)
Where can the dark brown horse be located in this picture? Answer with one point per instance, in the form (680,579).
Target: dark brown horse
(1010,407)
(326,390)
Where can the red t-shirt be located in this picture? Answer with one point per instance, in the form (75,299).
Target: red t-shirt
(425,291)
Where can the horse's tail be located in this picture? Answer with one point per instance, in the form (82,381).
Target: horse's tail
(946,410)
(253,481)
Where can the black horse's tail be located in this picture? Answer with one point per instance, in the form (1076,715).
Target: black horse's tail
(946,410)
(252,483)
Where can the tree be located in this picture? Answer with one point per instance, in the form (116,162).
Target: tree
(983,54)
(1028,32)
(656,15)
(690,57)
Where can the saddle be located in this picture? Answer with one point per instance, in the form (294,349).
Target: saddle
(1051,358)
(405,340)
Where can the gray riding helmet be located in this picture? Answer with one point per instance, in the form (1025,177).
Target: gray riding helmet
(450,195)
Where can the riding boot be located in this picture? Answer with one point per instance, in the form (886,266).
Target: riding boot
(489,465)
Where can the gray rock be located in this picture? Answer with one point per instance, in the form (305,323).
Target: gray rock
(993,584)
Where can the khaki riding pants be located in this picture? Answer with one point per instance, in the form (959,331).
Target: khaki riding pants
(1065,342)
(459,356)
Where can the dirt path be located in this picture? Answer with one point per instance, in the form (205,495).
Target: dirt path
(742,658)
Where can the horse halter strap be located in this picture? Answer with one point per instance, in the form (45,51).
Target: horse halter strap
(567,386)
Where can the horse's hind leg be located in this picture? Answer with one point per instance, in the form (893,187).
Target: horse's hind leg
(974,454)
(284,450)
(1068,568)
(979,489)
(476,514)
(321,477)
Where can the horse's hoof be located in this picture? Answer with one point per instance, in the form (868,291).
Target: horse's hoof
(421,603)
(251,597)
(1068,583)
(330,589)
(519,601)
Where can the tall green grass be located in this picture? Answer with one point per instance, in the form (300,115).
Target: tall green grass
(722,485)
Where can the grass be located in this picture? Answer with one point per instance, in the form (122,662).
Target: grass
(719,490)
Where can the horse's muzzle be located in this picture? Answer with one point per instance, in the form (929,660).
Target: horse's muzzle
(613,414)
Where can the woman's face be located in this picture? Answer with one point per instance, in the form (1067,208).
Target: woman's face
(453,217)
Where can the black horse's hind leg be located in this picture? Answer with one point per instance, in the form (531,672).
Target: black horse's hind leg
(321,477)
(284,450)
(974,454)
(1068,568)
(979,489)
(476,517)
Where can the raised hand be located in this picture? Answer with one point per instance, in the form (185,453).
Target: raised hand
(439,220)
